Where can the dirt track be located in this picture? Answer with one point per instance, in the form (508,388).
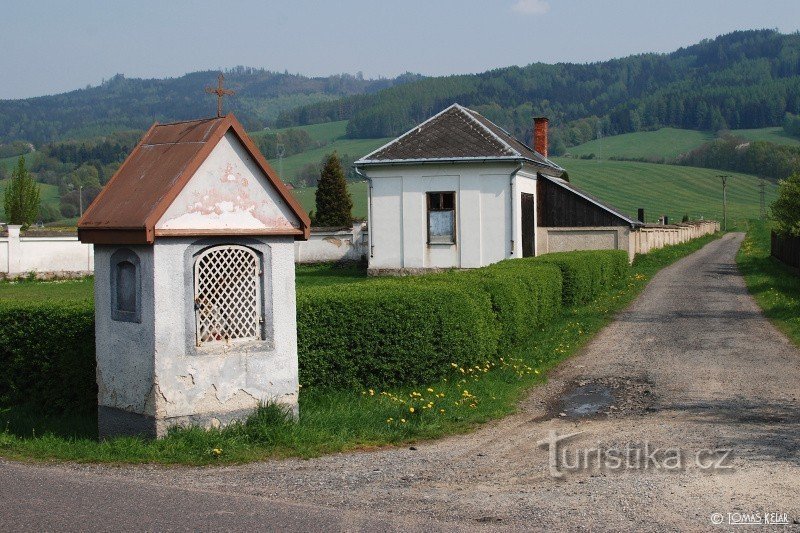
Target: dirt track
(692,365)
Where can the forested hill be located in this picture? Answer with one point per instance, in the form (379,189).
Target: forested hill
(131,103)
(746,79)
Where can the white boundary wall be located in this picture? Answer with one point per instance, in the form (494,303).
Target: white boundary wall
(45,256)
(333,244)
(55,256)
(639,241)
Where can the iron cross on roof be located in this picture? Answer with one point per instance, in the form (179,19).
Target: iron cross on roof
(220,91)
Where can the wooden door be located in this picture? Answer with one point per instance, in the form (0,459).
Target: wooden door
(528,225)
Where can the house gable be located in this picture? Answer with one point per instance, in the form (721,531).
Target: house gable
(457,134)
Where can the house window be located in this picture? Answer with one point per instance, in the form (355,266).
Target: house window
(126,286)
(441,218)
(227,294)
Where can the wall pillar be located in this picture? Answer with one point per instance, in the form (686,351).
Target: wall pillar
(14,250)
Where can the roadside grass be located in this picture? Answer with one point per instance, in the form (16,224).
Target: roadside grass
(775,287)
(333,421)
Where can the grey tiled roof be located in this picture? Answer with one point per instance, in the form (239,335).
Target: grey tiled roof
(457,133)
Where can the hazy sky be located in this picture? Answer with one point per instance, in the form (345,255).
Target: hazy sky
(53,46)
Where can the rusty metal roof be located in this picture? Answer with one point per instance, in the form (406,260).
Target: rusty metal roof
(157,169)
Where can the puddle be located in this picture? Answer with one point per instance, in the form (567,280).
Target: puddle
(587,400)
(603,397)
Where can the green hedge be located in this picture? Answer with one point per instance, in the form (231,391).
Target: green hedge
(586,274)
(524,297)
(363,333)
(47,355)
(388,332)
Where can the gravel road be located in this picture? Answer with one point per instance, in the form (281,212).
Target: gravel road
(692,365)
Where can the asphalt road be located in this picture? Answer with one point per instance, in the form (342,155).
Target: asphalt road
(691,369)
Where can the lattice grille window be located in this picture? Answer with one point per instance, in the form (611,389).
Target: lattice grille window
(227,294)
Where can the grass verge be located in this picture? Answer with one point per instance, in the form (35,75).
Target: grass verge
(775,287)
(333,421)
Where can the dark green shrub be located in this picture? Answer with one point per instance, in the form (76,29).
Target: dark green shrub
(587,274)
(390,332)
(47,356)
(525,296)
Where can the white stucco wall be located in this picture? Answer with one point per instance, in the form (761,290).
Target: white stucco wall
(53,255)
(483,215)
(333,245)
(124,350)
(206,383)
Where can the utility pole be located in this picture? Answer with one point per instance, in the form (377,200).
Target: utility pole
(80,198)
(724,201)
(762,193)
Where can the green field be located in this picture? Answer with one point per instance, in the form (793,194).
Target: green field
(358,192)
(666,143)
(773,135)
(353,148)
(667,189)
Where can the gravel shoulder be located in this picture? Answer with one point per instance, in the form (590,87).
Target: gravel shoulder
(691,365)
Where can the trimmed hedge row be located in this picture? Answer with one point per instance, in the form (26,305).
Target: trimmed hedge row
(47,355)
(388,332)
(586,274)
(365,333)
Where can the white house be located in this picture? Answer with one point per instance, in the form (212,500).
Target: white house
(457,191)
(194,281)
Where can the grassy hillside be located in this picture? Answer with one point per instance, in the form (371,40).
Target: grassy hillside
(354,148)
(667,189)
(666,143)
(358,192)
(773,135)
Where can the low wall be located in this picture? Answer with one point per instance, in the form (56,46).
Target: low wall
(326,245)
(46,255)
(634,241)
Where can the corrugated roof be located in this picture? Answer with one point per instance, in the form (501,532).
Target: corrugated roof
(457,133)
(128,207)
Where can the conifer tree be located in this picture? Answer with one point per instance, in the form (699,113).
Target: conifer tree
(22,196)
(334,205)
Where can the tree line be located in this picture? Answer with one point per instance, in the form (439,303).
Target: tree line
(760,158)
(121,103)
(746,79)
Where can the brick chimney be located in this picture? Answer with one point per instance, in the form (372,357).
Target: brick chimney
(540,135)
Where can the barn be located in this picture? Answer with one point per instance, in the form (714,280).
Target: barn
(458,191)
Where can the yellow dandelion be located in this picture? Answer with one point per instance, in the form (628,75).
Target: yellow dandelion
(410,409)
(430,389)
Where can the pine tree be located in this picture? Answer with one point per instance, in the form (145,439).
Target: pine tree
(22,196)
(334,205)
